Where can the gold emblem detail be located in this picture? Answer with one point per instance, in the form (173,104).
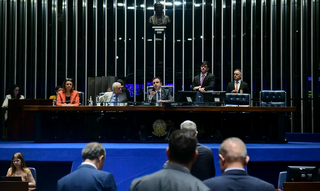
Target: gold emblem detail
(159,128)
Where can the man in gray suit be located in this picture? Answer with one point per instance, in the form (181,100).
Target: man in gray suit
(176,175)
(157,93)
(203,168)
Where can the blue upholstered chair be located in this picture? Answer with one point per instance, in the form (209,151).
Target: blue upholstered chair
(273,98)
(236,99)
(282,178)
(34,173)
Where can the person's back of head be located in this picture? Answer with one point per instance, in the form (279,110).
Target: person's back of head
(95,153)
(233,153)
(182,147)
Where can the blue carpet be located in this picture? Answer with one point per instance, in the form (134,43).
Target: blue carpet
(129,161)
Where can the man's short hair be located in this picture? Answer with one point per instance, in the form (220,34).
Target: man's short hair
(93,151)
(233,150)
(190,125)
(115,84)
(205,63)
(157,78)
(237,70)
(182,146)
(156,4)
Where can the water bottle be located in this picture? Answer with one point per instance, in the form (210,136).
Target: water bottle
(97,101)
(90,101)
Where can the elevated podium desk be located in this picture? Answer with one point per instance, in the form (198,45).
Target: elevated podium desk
(301,186)
(154,123)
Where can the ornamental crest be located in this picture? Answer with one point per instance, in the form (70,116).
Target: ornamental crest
(159,128)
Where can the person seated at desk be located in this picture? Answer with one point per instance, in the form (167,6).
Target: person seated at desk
(116,97)
(18,167)
(124,89)
(205,80)
(163,94)
(237,86)
(56,90)
(68,96)
(14,94)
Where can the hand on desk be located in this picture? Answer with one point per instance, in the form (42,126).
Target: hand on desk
(196,88)
(202,90)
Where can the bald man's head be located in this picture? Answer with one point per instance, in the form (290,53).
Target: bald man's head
(233,150)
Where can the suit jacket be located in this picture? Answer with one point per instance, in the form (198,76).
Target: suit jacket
(243,86)
(87,178)
(207,84)
(237,180)
(165,95)
(74,98)
(172,177)
(203,168)
(108,95)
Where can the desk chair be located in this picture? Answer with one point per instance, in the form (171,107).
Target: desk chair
(34,173)
(81,99)
(282,178)
(237,99)
(273,98)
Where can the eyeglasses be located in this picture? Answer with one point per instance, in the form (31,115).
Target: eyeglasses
(16,161)
(16,90)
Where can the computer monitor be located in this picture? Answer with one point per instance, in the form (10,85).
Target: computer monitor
(215,96)
(186,96)
(11,178)
(301,173)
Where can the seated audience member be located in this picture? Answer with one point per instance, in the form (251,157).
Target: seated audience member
(233,159)
(124,89)
(176,175)
(56,90)
(68,96)
(237,86)
(163,94)
(14,94)
(114,98)
(205,80)
(18,167)
(89,175)
(203,168)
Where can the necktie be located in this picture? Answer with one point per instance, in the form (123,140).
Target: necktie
(159,95)
(116,100)
(237,86)
(203,76)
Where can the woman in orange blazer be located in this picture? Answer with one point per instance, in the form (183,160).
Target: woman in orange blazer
(68,96)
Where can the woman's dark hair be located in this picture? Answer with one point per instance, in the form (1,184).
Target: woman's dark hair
(12,92)
(57,88)
(23,162)
(64,84)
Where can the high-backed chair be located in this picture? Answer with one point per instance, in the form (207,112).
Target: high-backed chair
(273,98)
(34,173)
(237,99)
(170,88)
(282,178)
(81,98)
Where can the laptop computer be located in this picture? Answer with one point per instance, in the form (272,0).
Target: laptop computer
(11,178)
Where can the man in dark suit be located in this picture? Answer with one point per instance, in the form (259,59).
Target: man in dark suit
(157,91)
(203,168)
(233,158)
(238,85)
(88,176)
(205,80)
(176,175)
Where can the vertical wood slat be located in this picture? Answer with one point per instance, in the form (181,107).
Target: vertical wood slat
(192,33)
(95,6)
(313,95)
(144,50)
(46,52)
(253,6)
(75,6)
(291,58)
(65,7)
(55,11)
(86,52)
(173,45)
(6,6)
(35,2)
(271,44)
(183,39)
(222,6)
(115,37)
(301,63)
(25,46)
(261,36)
(135,49)
(125,35)
(212,36)
(164,50)
(231,38)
